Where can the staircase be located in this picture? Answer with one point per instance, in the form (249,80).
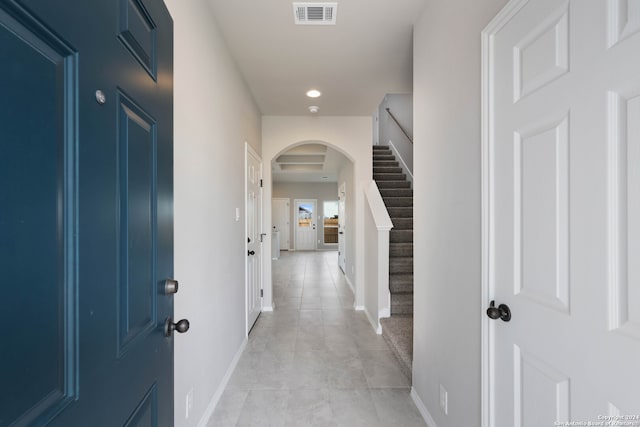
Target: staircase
(398,197)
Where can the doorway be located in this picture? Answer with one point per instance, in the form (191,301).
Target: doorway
(342,237)
(253,182)
(281,219)
(305,211)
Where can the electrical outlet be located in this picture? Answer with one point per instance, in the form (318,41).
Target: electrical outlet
(444,400)
(189,403)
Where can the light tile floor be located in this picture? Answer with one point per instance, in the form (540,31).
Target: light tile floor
(315,361)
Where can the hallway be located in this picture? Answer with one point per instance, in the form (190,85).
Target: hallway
(315,361)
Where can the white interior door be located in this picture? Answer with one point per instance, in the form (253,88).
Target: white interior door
(281,220)
(306,220)
(342,200)
(254,230)
(563,228)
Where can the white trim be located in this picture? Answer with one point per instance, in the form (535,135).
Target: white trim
(211,407)
(267,308)
(353,289)
(378,208)
(422,408)
(375,324)
(358,307)
(405,168)
(487,406)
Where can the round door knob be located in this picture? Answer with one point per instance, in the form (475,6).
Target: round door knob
(251,252)
(502,312)
(180,326)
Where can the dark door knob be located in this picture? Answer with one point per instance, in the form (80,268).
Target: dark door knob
(251,252)
(501,312)
(181,326)
(341,232)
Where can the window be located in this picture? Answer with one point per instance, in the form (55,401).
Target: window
(330,223)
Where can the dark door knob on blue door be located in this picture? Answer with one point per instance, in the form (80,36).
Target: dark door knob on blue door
(180,326)
(501,312)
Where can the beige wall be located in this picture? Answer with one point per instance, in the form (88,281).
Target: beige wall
(352,137)
(214,116)
(447,300)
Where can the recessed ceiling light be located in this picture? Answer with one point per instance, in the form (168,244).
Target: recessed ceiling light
(314,93)
(314,109)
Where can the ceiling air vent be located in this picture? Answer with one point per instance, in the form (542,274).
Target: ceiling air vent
(315,13)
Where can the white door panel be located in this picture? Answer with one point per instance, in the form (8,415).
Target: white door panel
(563,157)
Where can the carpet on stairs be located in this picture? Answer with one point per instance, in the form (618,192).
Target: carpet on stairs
(397,195)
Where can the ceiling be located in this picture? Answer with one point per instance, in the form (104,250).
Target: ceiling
(354,63)
(308,163)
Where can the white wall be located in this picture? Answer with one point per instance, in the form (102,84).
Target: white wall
(447,206)
(351,136)
(321,191)
(401,105)
(214,115)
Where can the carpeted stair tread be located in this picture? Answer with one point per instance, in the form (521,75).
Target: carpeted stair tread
(400,249)
(385,163)
(386,169)
(402,223)
(398,333)
(380,147)
(401,303)
(389,176)
(398,201)
(394,184)
(401,236)
(402,212)
(396,192)
(401,282)
(383,157)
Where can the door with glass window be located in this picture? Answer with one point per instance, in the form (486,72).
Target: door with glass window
(305,211)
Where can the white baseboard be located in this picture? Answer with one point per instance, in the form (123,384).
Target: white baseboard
(422,408)
(405,168)
(223,384)
(267,309)
(353,289)
(358,307)
(375,324)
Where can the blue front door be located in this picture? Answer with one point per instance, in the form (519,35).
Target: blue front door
(86,213)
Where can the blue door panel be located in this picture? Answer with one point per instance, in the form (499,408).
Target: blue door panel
(137,223)
(86,220)
(37,359)
(138,33)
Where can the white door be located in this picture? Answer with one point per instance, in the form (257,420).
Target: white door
(342,247)
(306,217)
(563,211)
(254,238)
(281,222)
